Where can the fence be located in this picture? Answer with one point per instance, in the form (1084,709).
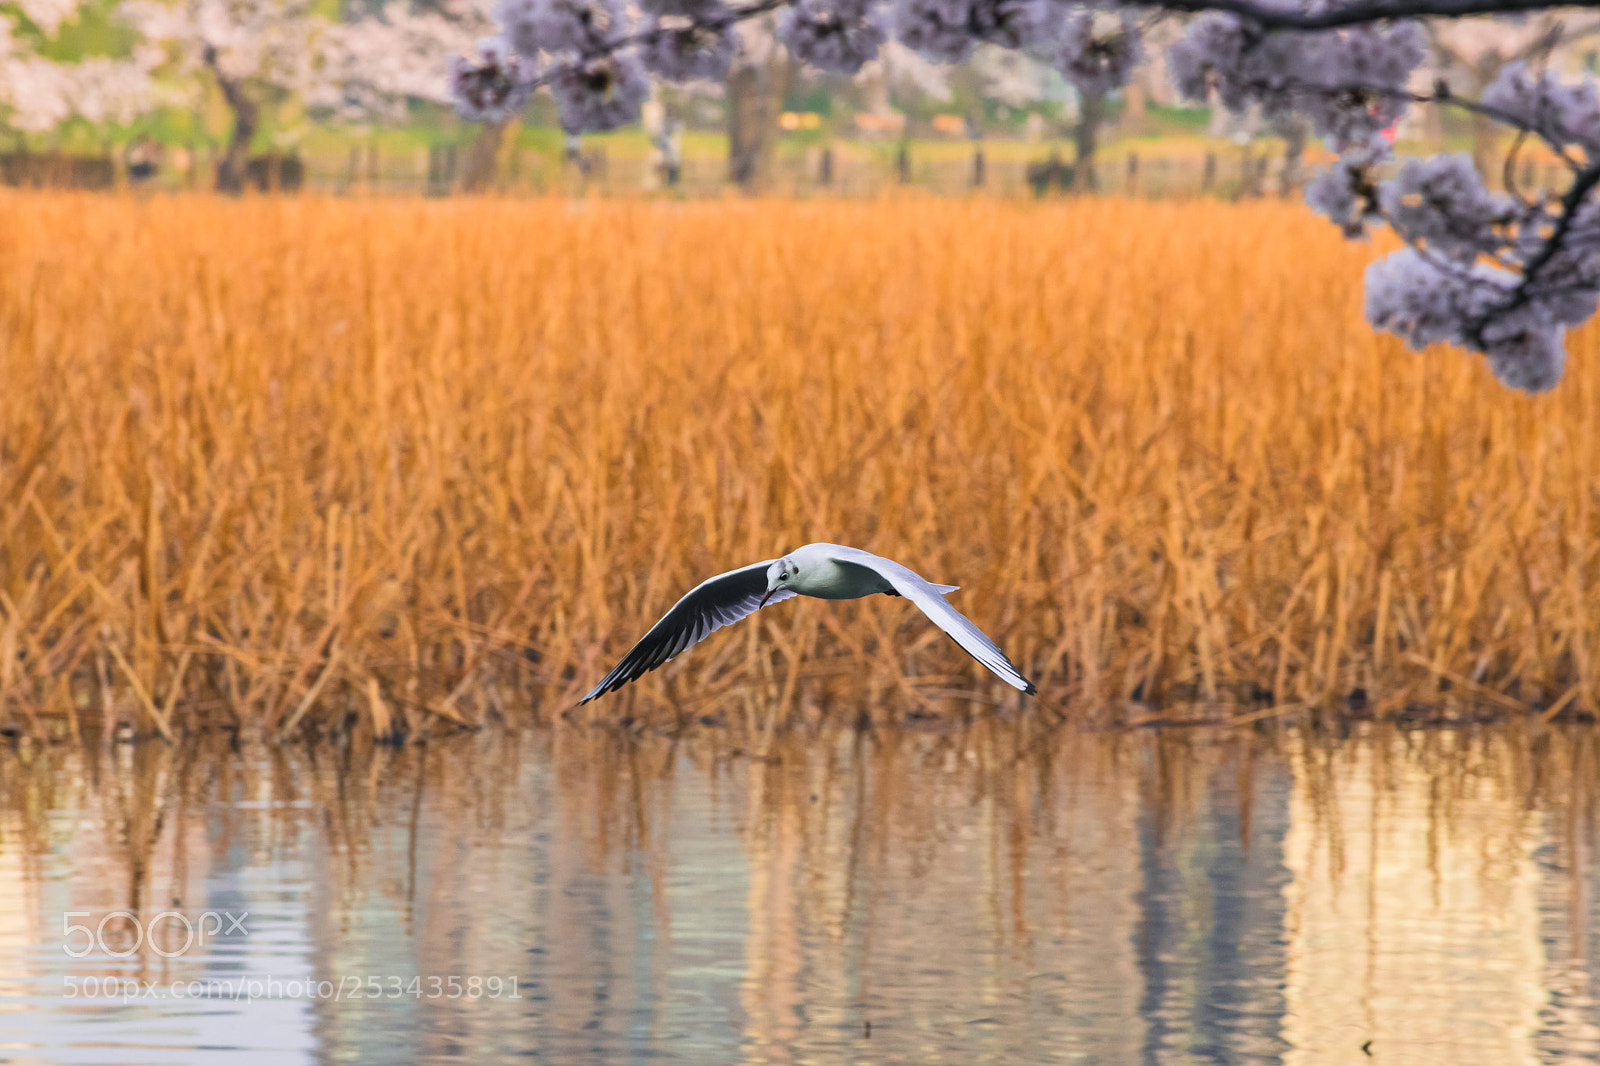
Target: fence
(821,171)
(57,171)
(846,171)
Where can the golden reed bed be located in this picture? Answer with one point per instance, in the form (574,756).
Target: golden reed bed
(374,465)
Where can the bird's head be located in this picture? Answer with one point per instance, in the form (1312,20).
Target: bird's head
(780,575)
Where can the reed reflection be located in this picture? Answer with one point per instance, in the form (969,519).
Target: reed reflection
(990,894)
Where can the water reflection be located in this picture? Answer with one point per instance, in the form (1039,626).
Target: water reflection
(993,895)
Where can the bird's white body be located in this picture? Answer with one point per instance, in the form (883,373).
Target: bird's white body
(820,574)
(824,571)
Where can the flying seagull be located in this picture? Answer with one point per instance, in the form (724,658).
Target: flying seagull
(826,571)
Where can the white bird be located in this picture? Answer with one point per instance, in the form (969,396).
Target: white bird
(826,571)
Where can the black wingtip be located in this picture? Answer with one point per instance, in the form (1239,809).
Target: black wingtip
(1031,690)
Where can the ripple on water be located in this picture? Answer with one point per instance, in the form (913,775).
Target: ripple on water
(981,898)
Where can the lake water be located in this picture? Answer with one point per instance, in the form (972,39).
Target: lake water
(993,894)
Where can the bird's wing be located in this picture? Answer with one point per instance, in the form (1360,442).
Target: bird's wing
(927,596)
(710,605)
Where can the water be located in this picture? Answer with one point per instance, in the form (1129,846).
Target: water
(987,895)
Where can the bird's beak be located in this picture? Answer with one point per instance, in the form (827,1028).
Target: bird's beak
(765,596)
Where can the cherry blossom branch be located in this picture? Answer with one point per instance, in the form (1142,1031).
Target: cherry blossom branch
(1524,293)
(1359,12)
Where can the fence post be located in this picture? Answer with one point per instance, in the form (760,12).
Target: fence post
(1208,176)
(825,171)
(1131,185)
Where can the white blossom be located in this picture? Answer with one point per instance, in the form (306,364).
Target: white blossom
(1414,299)
(1218,53)
(1098,62)
(48,15)
(681,49)
(1527,352)
(273,41)
(1349,81)
(934,28)
(946,30)
(1346,192)
(38,93)
(494,87)
(600,94)
(898,67)
(42,94)
(1018,24)
(581,26)
(1364,70)
(836,35)
(1441,203)
(374,66)
(1012,77)
(1567,113)
(1428,302)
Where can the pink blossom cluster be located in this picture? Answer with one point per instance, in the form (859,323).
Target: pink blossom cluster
(1496,273)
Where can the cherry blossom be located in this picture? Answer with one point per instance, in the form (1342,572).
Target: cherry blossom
(680,48)
(600,94)
(832,35)
(1097,62)
(495,87)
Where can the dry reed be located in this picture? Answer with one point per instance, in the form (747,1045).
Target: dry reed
(301,463)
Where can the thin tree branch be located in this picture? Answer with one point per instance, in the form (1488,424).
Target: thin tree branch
(1579,191)
(1359,12)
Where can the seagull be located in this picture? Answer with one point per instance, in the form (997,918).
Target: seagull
(826,571)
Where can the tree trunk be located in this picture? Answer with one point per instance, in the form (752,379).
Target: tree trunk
(755,93)
(1293,129)
(1091,113)
(749,126)
(1133,107)
(246,120)
(482,164)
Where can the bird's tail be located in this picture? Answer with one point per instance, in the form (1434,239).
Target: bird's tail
(945,590)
